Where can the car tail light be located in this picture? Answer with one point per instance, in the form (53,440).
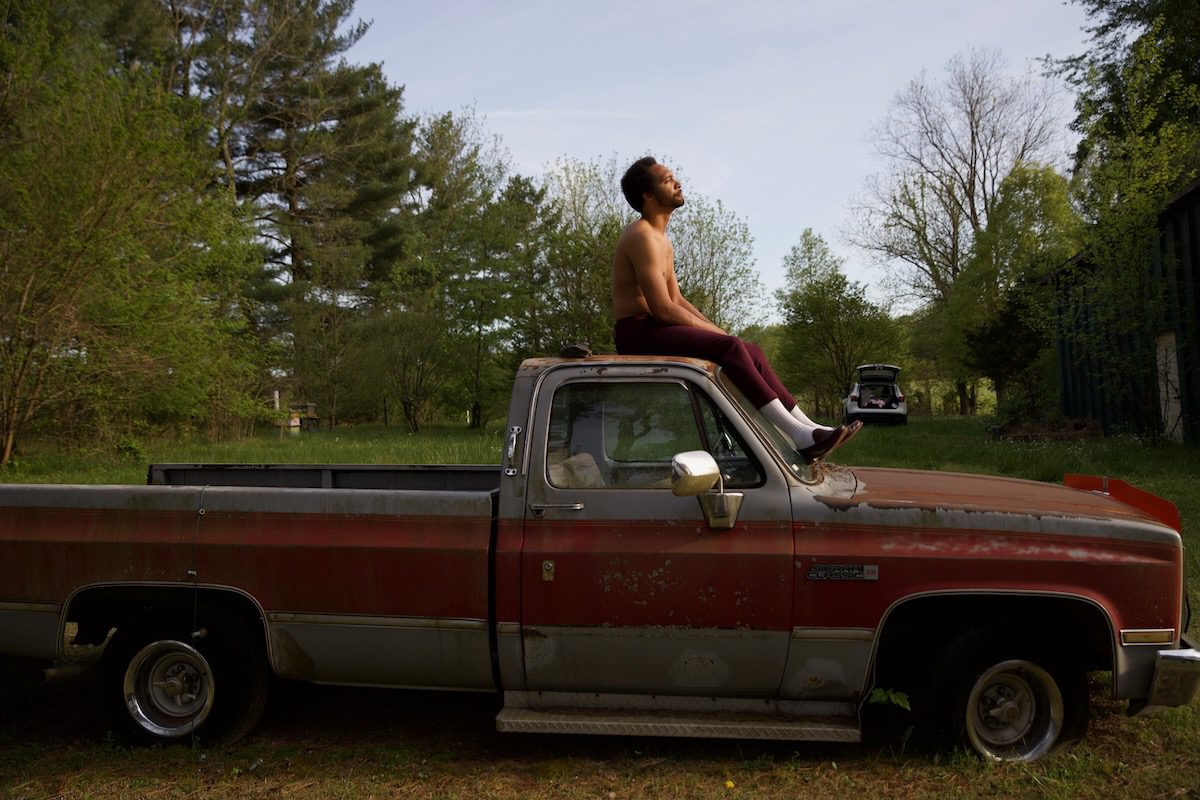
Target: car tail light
(854,398)
(899,398)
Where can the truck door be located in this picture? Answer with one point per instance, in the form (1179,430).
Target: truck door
(624,586)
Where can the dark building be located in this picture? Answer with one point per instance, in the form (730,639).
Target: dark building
(1169,402)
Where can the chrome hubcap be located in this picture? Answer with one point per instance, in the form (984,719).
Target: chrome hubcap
(168,688)
(1014,712)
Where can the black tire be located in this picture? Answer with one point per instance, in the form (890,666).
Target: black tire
(164,686)
(1007,699)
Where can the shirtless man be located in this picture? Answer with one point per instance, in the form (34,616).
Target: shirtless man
(654,318)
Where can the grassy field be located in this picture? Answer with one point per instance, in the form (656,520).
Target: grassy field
(331,742)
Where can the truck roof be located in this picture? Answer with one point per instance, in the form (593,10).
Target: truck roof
(543,364)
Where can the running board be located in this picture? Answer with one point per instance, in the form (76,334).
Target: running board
(699,717)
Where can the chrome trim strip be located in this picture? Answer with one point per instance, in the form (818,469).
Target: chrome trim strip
(41,608)
(1176,678)
(356,620)
(198,500)
(617,701)
(513,720)
(1132,637)
(852,634)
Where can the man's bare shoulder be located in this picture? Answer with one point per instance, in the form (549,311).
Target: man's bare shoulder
(637,231)
(639,241)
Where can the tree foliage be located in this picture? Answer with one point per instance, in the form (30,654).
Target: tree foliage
(950,146)
(209,202)
(830,327)
(119,275)
(998,320)
(1114,68)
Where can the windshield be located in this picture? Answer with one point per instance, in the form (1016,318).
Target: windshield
(782,444)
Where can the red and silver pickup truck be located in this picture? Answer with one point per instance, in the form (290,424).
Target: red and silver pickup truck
(650,557)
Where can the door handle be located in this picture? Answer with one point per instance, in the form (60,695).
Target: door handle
(540,509)
(511,454)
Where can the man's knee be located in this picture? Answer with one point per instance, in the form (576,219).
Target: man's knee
(730,346)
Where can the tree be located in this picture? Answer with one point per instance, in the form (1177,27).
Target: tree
(949,148)
(317,146)
(1119,30)
(715,263)
(1001,295)
(515,232)
(585,198)
(409,350)
(830,327)
(116,263)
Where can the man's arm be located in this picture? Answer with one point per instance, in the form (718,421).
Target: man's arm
(665,302)
(688,305)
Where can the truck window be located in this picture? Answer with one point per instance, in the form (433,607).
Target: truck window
(738,467)
(624,435)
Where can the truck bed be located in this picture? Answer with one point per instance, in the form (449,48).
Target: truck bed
(426,477)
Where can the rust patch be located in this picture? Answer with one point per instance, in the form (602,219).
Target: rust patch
(699,668)
(290,659)
(938,492)
(540,649)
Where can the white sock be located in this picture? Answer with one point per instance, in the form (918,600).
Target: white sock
(800,434)
(800,415)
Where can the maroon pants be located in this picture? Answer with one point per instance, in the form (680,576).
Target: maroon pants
(745,362)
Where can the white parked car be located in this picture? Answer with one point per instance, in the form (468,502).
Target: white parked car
(876,397)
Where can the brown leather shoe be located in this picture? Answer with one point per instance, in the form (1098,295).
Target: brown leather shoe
(851,429)
(823,442)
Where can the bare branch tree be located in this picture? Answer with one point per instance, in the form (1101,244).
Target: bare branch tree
(948,146)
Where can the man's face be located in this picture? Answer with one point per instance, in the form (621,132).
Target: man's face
(668,192)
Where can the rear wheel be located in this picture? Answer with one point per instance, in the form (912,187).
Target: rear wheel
(165,684)
(1008,700)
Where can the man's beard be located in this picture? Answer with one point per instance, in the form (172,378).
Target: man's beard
(669,200)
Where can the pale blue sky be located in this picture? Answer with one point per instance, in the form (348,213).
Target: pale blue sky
(765,105)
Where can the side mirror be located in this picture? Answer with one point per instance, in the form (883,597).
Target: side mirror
(693,474)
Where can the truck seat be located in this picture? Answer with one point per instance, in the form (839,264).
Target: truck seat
(579,471)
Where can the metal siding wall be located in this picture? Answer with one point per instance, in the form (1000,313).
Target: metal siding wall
(1176,263)
(1187,328)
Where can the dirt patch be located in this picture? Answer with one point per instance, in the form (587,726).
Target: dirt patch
(1047,432)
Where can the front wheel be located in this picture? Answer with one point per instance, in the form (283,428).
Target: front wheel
(167,682)
(1013,712)
(1011,701)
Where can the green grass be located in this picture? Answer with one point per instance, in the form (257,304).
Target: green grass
(366,444)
